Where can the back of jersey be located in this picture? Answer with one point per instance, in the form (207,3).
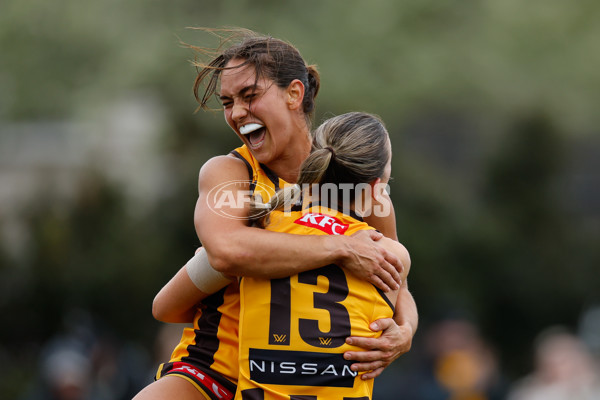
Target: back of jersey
(293,330)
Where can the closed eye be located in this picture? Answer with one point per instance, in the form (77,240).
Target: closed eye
(226,101)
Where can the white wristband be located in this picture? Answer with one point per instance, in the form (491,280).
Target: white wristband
(205,277)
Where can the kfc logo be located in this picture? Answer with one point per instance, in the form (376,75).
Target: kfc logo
(326,223)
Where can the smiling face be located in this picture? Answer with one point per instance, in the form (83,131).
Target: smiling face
(262,114)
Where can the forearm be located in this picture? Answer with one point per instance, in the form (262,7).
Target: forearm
(234,248)
(406,310)
(258,253)
(176,301)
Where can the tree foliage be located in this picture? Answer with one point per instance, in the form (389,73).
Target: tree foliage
(491,108)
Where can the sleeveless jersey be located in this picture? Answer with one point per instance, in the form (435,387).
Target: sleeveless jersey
(293,330)
(209,350)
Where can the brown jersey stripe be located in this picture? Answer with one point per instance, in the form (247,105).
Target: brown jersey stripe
(249,167)
(206,343)
(271,175)
(253,394)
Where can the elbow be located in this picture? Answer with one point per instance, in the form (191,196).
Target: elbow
(225,258)
(160,312)
(224,263)
(157,311)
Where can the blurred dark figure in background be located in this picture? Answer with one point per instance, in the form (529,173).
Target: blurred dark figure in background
(66,373)
(85,362)
(453,363)
(564,370)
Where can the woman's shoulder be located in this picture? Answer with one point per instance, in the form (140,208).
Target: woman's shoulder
(398,250)
(223,166)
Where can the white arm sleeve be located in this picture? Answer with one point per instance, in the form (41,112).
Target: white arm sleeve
(205,277)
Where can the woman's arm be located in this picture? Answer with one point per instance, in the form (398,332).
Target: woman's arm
(395,340)
(240,250)
(397,333)
(406,313)
(177,300)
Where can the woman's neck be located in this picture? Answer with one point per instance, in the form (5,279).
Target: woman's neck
(287,167)
(325,199)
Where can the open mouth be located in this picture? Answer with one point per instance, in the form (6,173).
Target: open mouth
(255,134)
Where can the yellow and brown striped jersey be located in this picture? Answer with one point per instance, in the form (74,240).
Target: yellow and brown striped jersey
(293,330)
(211,345)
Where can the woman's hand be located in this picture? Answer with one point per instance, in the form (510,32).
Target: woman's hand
(371,262)
(382,351)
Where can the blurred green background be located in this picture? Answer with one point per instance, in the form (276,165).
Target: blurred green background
(493,111)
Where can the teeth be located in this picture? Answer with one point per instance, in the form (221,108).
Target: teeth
(246,129)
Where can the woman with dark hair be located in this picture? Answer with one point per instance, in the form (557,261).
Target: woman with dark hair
(267,92)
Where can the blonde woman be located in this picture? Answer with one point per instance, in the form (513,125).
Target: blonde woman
(293,330)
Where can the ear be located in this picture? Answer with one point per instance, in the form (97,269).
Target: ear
(295,94)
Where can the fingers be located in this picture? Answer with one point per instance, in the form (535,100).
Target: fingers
(373,364)
(388,272)
(367,356)
(382,284)
(374,348)
(366,343)
(373,374)
(387,276)
(383,347)
(382,324)
(375,235)
(390,276)
(374,263)
(368,366)
(394,261)
(380,352)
